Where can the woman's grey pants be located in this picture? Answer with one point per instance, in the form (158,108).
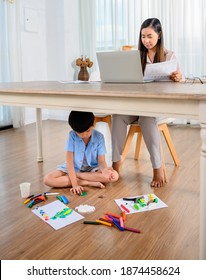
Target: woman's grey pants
(150,134)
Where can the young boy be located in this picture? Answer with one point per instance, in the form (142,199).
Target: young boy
(85,158)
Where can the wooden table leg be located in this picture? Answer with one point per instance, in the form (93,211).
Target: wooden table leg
(39,134)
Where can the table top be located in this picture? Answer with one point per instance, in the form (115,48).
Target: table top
(165,90)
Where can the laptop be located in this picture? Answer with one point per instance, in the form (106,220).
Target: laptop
(120,67)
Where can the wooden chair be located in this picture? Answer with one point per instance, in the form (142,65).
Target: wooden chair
(128,47)
(163,127)
(103,118)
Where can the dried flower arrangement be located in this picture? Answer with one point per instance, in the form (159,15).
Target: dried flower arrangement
(84,62)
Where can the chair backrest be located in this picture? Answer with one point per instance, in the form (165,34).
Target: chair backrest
(128,47)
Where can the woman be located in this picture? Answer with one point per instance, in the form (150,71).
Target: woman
(151,47)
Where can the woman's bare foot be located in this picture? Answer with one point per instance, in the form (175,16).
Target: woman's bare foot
(117,165)
(158,178)
(96,184)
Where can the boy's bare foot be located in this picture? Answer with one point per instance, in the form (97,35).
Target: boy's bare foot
(158,178)
(96,184)
(117,165)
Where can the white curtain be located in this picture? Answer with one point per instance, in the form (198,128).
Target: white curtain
(10,63)
(109,24)
(87,25)
(5,111)
(117,23)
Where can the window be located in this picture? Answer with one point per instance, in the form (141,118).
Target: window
(183,22)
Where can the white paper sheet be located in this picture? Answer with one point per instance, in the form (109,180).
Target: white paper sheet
(130,204)
(51,209)
(160,71)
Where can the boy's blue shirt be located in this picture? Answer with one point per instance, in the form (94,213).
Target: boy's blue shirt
(95,147)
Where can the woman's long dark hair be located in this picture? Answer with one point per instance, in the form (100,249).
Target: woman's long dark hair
(155,24)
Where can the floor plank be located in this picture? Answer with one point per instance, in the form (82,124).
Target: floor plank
(168,233)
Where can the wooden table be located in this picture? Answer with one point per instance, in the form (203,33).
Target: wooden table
(167,99)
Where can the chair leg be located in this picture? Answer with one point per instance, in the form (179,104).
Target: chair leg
(138,144)
(129,138)
(163,164)
(165,131)
(168,139)
(108,119)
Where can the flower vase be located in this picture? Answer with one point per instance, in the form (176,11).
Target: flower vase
(83,74)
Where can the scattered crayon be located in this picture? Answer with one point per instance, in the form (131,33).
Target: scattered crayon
(107,221)
(104,223)
(121,222)
(136,206)
(117,224)
(107,218)
(91,222)
(113,215)
(152,201)
(113,218)
(124,208)
(132,229)
(124,215)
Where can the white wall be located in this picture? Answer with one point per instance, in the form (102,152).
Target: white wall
(68,44)
(49,44)
(33,40)
(32,45)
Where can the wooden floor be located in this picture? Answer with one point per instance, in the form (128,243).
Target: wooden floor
(168,233)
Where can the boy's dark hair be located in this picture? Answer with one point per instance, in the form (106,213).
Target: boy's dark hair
(81,121)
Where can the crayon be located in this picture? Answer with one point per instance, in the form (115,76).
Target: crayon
(152,201)
(27,200)
(41,197)
(124,208)
(121,222)
(91,222)
(113,218)
(135,199)
(51,193)
(118,225)
(31,203)
(113,215)
(104,223)
(31,197)
(151,197)
(107,218)
(141,202)
(107,221)
(124,215)
(136,206)
(132,229)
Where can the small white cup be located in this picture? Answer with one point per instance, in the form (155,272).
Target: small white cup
(25,189)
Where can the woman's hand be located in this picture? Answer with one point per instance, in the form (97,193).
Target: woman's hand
(77,189)
(176,76)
